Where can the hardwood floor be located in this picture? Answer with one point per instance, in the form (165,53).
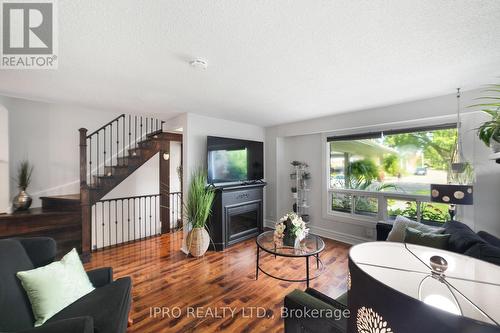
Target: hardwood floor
(196,292)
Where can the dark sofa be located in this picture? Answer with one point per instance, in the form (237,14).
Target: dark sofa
(104,310)
(463,239)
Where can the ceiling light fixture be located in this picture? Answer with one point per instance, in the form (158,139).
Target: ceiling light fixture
(199,63)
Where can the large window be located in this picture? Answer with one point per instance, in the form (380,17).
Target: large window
(385,174)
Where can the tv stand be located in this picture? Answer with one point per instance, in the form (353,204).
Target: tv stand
(237,213)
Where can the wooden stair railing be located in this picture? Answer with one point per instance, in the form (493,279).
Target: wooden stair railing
(110,154)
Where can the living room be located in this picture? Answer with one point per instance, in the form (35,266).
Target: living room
(197,155)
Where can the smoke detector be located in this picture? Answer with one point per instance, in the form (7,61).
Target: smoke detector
(199,63)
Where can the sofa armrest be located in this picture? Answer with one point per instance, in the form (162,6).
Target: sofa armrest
(305,313)
(383,230)
(40,250)
(489,238)
(340,302)
(101,276)
(73,325)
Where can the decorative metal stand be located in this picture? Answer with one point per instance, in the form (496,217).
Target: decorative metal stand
(300,189)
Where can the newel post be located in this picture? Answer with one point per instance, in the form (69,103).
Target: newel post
(83,156)
(84,197)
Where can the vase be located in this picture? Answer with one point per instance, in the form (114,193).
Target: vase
(197,241)
(288,237)
(22,201)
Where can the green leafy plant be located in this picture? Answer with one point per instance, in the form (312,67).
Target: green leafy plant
(343,202)
(24,173)
(366,169)
(429,211)
(391,164)
(490,130)
(199,201)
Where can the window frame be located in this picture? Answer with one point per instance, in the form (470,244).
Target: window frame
(382,197)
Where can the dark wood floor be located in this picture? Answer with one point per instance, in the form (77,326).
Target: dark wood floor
(220,281)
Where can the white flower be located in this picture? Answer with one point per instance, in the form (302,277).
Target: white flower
(297,224)
(280,229)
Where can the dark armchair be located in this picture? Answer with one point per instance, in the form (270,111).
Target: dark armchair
(313,312)
(104,310)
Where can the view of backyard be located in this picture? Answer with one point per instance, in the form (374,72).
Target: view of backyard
(403,163)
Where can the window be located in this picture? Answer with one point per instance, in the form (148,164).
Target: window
(384,174)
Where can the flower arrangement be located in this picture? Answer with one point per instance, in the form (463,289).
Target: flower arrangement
(291,229)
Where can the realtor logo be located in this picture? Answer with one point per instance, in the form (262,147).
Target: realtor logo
(29,35)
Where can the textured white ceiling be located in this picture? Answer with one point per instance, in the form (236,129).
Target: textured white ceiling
(270,62)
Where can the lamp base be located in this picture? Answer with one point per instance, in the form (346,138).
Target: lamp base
(452,212)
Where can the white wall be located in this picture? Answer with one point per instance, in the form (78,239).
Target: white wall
(4,159)
(305,141)
(199,127)
(47,135)
(143,181)
(175,162)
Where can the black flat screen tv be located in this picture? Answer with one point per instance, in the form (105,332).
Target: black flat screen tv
(234,160)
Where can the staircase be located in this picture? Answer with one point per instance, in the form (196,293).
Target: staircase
(112,153)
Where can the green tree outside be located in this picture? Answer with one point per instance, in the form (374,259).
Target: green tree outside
(390,164)
(439,145)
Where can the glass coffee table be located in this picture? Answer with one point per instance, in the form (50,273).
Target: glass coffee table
(311,246)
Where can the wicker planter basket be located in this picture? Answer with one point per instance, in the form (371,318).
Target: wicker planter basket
(198,241)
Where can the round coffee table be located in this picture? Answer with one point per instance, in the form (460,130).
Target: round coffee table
(311,246)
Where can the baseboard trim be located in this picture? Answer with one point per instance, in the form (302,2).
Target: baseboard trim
(269,223)
(338,236)
(330,234)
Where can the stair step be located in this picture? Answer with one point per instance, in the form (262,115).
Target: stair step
(124,161)
(103,179)
(154,134)
(115,170)
(104,175)
(135,152)
(145,143)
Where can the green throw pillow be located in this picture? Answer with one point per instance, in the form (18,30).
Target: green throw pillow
(53,287)
(430,239)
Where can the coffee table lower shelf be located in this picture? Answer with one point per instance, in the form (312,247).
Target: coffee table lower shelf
(319,267)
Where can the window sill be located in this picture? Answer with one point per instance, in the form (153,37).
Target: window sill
(359,220)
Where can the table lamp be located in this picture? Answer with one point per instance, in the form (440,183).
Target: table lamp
(452,194)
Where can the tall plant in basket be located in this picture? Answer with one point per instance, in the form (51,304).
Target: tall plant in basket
(198,208)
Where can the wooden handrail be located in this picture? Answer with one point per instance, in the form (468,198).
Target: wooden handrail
(106,125)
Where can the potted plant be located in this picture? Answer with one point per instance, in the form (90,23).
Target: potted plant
(291,230)
(489,131)
(198,208)
(22,201)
